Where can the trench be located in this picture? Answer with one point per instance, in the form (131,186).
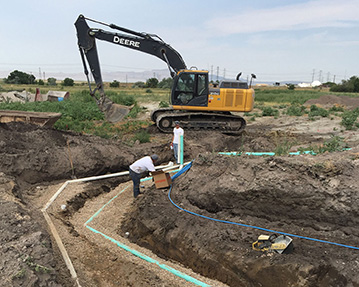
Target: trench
(203,240)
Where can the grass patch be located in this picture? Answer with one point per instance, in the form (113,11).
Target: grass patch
(335,143)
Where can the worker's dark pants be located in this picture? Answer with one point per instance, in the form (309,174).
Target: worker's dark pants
(136,177)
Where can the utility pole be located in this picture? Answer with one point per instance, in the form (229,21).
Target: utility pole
(334,79)
(224,73)
(217,72)
(313,75)
(39,73)
(212,73)
(320,76)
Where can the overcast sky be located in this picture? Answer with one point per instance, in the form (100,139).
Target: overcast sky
(278,40)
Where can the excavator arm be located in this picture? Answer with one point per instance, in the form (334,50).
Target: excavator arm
(143,42)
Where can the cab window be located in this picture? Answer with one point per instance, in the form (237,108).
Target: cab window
(191,89)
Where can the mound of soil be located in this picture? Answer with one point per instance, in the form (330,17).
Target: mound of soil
(331,100)
(308,196)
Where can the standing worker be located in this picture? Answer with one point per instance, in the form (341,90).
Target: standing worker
(177,132)
(139,167)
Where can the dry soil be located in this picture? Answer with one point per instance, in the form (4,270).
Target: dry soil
(203,226)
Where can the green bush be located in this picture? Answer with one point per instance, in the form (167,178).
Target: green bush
(18,77)
(335,143)
(142,136)
(115,84)
(349,118)
(269,112)
(163,104)
(295,110)
(317,111)
(139,85)
(152,83)
(121,98)
(68,82)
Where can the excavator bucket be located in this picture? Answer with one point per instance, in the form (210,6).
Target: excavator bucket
(116,113)
(113,112)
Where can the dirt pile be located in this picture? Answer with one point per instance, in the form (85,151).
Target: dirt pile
(314,197)
(305,195)
(331,100)
(27,257)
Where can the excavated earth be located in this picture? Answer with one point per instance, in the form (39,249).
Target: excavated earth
(204,226)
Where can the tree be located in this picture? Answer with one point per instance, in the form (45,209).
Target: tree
(151,83)
(51,81)
(115,84)
(68,82)
(139,85)
(349,86)
(18,77)
(166,83)
(290,86)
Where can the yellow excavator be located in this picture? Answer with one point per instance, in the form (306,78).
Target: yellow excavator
(194,103)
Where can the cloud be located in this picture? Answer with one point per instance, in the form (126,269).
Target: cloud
(311,14)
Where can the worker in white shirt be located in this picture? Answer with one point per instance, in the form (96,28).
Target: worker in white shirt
(177,132)
(139,167)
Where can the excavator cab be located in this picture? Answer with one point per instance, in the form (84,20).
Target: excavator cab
(190,88)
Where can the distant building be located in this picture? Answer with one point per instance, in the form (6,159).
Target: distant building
(304,85)
(316,84)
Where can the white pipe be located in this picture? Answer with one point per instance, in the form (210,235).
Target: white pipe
(55,195)
(52,226)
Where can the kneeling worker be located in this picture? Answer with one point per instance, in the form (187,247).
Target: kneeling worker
(140,166)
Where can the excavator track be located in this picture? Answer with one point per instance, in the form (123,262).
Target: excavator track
(224,122)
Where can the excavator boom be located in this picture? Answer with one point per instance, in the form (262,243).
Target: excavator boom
(142,42)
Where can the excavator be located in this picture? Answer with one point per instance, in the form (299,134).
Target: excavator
(193,102)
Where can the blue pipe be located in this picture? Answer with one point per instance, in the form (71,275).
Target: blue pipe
(246,225)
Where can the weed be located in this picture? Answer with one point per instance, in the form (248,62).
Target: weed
(295,110)
(20,274)
(283,148)
(163,104)
(134,112)
(336,108)
(37,267)
(317,111)
(335,143)
(142,136)
(269,111)
(349,118)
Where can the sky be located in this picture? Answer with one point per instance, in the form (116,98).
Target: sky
(278,40)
